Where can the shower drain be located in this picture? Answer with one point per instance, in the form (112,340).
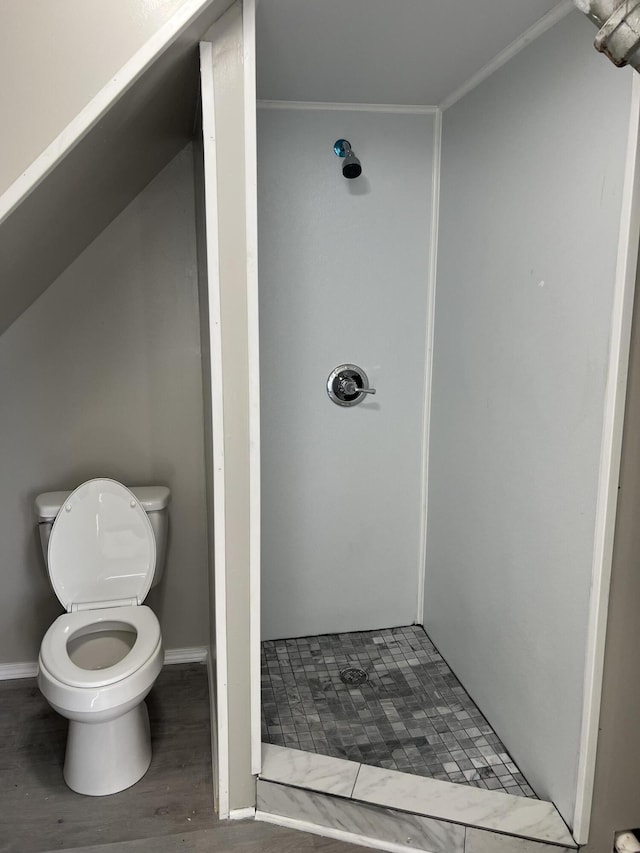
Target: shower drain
(353,676)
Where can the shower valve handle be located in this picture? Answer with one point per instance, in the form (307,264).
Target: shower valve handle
(350,386)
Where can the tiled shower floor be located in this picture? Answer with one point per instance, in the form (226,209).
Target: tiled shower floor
(412,715)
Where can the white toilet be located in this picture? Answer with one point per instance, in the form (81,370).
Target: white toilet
(104,547)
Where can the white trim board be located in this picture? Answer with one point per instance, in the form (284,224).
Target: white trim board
(610,455)
(253,335)
(428,372)
(337,834)
(213,726)
(405,109)
(539,28)
(242,814)
(29,669)
(217,420)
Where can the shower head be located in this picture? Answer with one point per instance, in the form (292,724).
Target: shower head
(351,167)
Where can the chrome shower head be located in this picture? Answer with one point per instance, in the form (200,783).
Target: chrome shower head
(351,167)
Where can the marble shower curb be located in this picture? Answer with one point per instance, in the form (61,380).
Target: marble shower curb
(400,811)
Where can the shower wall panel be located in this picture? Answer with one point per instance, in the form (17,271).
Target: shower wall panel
(532,179)
(343,278)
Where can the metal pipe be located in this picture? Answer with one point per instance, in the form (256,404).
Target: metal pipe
(618,36)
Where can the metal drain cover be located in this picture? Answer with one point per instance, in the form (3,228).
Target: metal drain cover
(353,676)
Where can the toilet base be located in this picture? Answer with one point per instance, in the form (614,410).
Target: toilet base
(104,758)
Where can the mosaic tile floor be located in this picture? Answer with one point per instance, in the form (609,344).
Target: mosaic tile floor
(412,715)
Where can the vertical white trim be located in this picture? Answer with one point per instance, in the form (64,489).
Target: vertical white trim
(190,654)
(253,331)
(428,370)
(213,710)
(217,419)
(609,471)
(28,669)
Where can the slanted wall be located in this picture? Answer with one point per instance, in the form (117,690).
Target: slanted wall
(55,57)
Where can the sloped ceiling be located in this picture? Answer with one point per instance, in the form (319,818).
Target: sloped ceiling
(93,173)
(383,51)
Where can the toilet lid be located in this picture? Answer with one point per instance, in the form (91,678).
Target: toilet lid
(102,551)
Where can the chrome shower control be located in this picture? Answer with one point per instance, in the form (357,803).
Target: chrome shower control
(348,385)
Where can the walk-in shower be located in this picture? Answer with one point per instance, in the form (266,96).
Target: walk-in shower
(438,535)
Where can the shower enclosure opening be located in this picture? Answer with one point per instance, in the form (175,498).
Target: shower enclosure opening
(432,505)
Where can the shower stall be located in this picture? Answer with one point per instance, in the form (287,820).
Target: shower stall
(430,550)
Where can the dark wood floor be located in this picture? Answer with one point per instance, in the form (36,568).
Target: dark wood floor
(244,837)
(168,810)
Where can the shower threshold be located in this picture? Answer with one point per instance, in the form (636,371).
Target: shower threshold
(406,739)
(390,810)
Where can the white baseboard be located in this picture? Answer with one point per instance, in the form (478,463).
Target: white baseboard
(194,654)
(337,834)
(29,669)
(242,814)
(18,670)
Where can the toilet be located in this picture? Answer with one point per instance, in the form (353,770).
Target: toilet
(104,547)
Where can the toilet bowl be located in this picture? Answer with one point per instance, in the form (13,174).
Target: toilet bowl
(100,659)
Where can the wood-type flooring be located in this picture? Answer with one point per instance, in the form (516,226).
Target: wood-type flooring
(169,810)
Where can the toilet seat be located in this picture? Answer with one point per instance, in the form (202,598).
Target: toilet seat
(102,549)
(54,654)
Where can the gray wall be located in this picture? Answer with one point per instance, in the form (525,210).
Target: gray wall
(531,192)
(102,376)
(343,278)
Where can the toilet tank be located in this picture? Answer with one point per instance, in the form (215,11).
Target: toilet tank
(153,499)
